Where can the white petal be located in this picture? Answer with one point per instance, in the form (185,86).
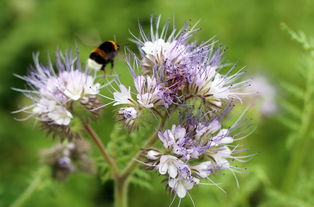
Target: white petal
(60,116)
(226,140)
(163,168)
(172,170)
(146,100)
(214,126)
(180,132)
(171,183)
(188,185)
(180,190)
(122,97)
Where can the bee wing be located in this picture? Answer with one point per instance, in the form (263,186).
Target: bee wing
(121,56)
(90,37)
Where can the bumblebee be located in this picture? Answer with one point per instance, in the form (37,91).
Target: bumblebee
(103,55)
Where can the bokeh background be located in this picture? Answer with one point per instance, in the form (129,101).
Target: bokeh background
(250,30)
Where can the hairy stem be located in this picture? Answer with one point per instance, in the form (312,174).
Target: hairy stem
(133,163)
(121,192)
(102,148)
(122,181)
(32,187)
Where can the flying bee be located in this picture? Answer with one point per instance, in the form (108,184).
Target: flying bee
(103,55)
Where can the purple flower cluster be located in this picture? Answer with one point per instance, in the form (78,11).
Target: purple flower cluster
(67,158)
(193,150)
(173,69)
(174,73)
(54,90)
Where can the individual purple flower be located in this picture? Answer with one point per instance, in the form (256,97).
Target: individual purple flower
(177,141)
(221,156)
(169,165)
(181,185)
(123,97)
(214,88)
(180,179)
(154,51)
(148,91)
(170,137)
(206,128)
(204,169)
(64,161)
(221,138)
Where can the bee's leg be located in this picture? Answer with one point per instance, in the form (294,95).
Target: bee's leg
(111,63)
(103,68)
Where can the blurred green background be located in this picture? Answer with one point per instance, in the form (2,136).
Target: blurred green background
(251,31)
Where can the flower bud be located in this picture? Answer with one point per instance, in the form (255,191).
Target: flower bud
(128,117)
(153,154)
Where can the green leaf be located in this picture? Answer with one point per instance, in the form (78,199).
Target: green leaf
(291,109)
(291,140)
(293,89)
(299,37)
(103,169)
(141,178)
(280,199)
(291,124)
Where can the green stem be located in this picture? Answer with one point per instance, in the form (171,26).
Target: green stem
(303,139)
(101,148)
(133,163)
(122,181)
(121,192)
(32,187)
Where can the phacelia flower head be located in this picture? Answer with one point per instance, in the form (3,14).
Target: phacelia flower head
(193,150)
(67,158)
(55,90)
(173,69)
